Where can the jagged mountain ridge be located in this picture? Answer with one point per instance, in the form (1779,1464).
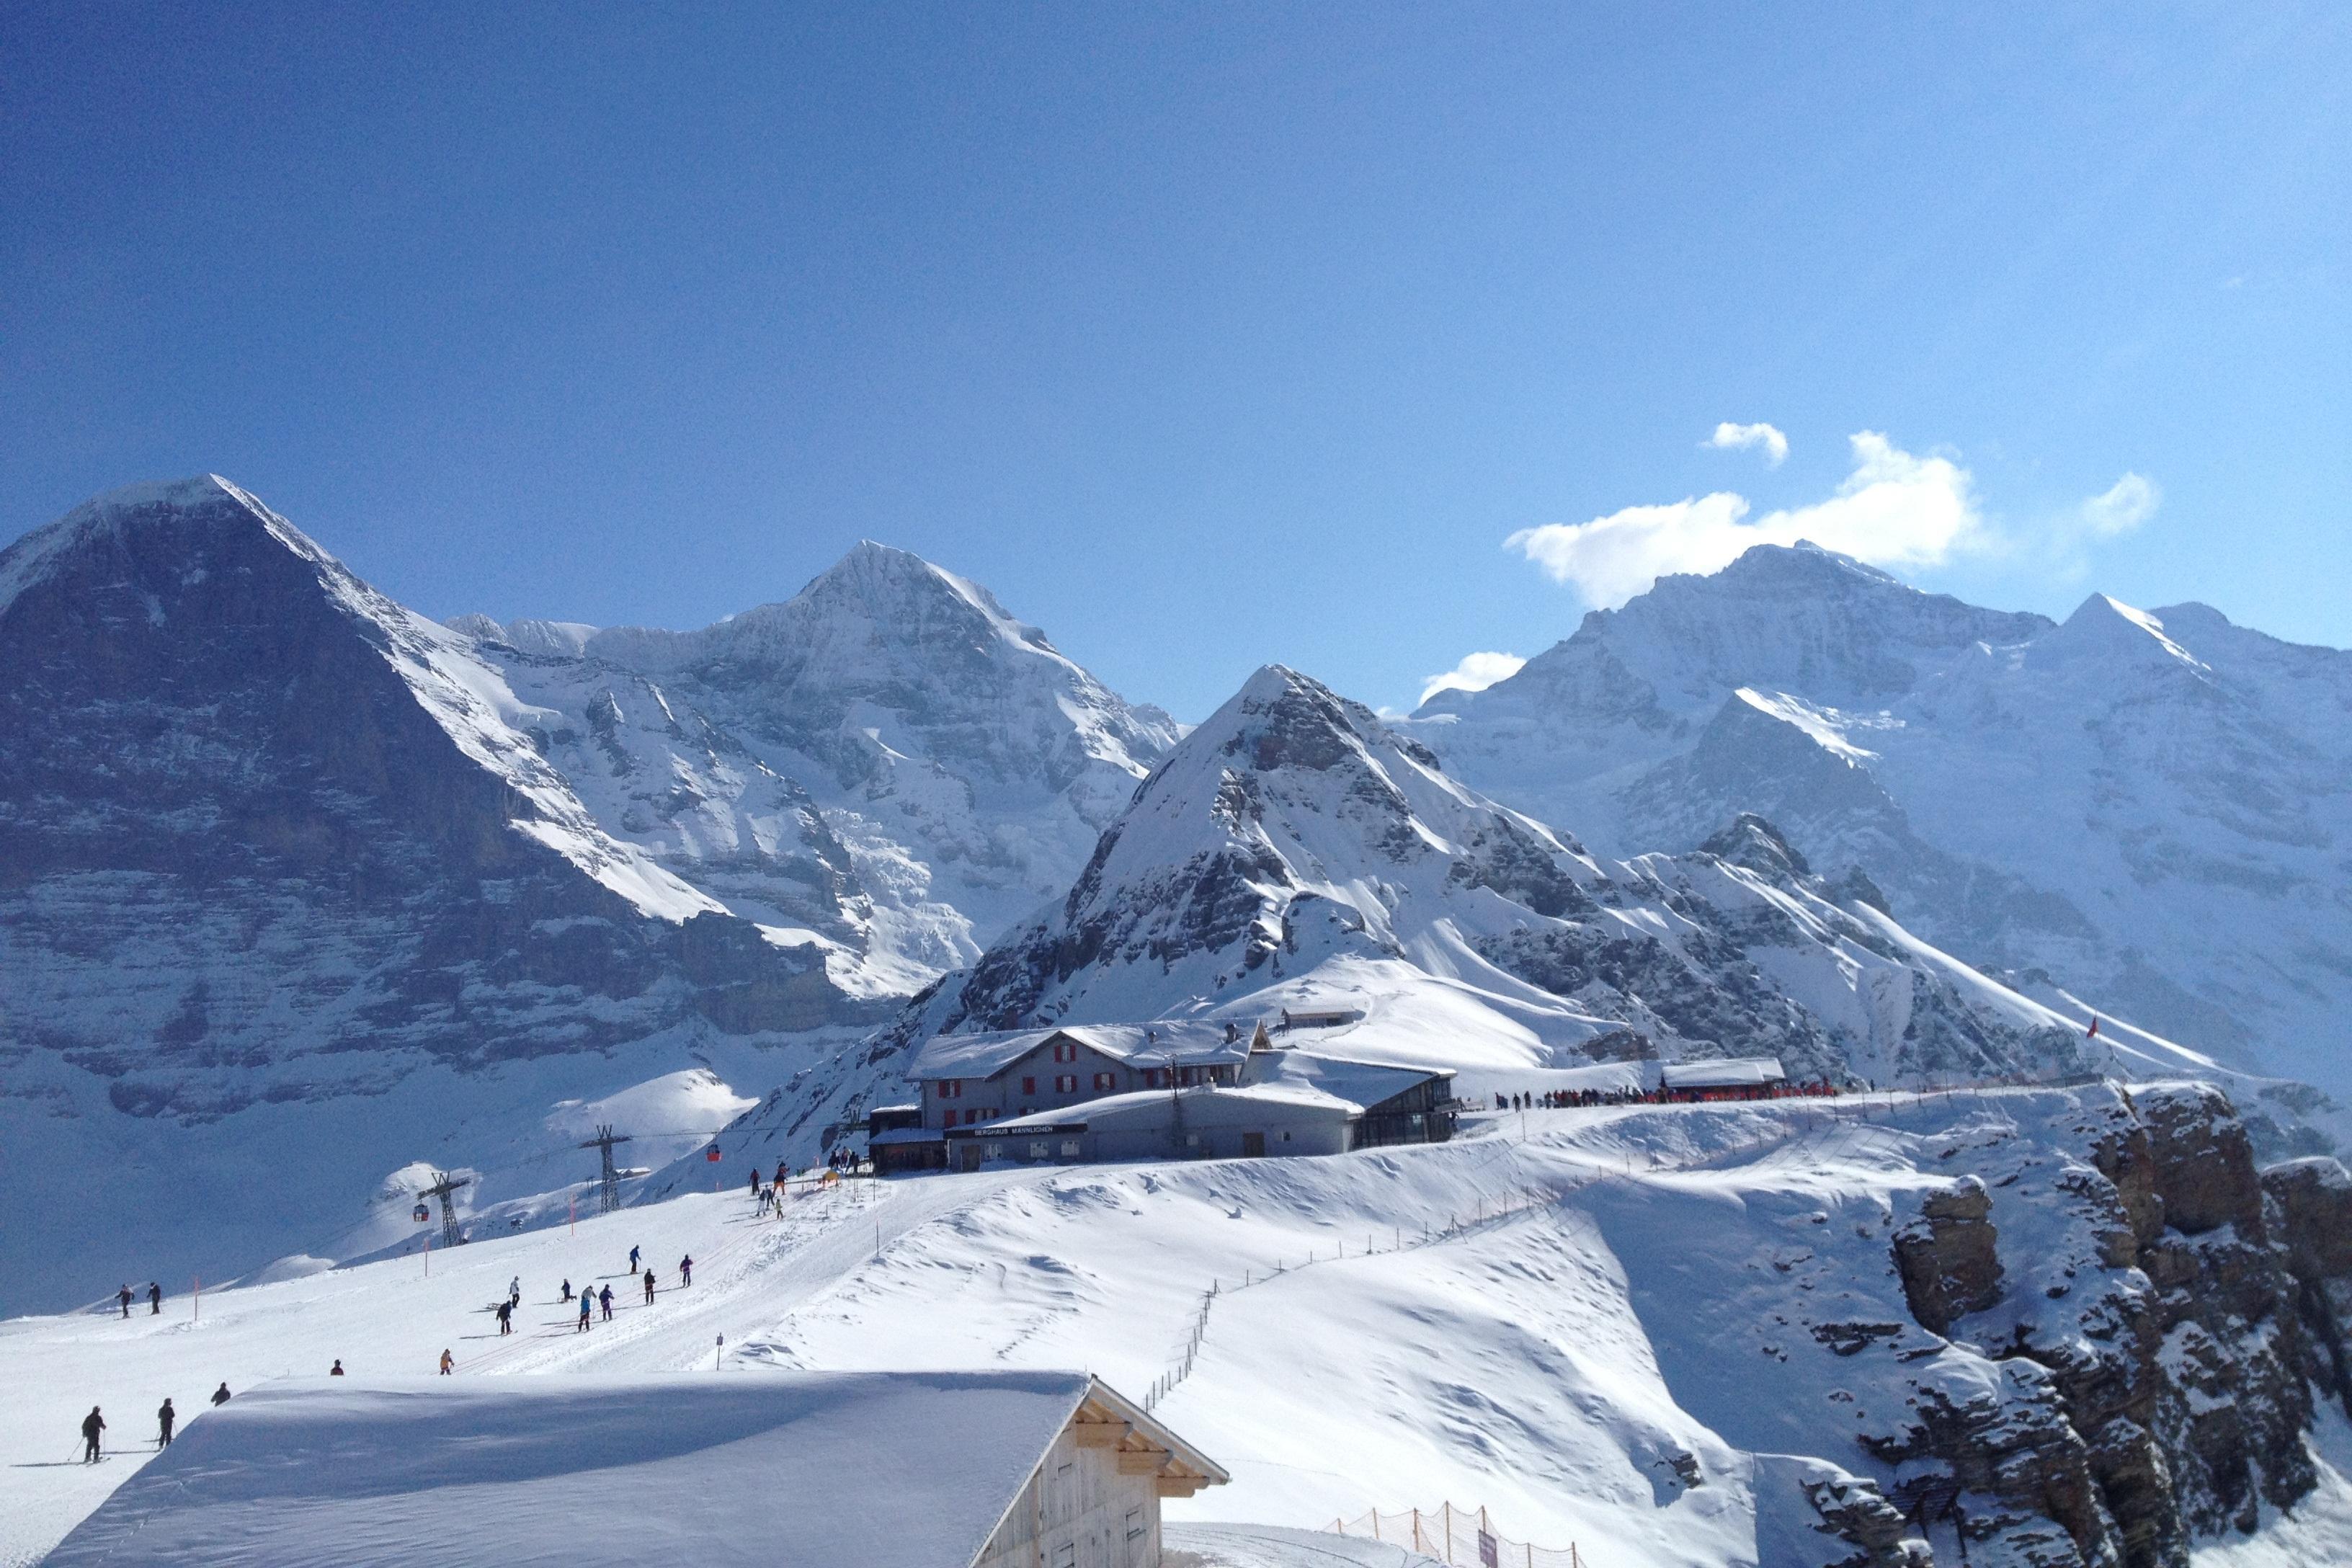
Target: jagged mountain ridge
(888,765)
(283,860)
(2145,809)
(1295,851)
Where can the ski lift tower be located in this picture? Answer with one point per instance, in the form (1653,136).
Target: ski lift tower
(604,1140)
(443,1186)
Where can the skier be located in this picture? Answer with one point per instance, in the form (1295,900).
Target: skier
(649,1287)
(220,1394)
(506,1317)
(755,1181)
(686,1270)
(567,1289)
(92,1425)
(334,1371)
(514,1288)
(165,1418)
(448,1363)
(124,1295)
(584,1298)
(605,1300)
(633,1260)
(154,1299)
(782,1171)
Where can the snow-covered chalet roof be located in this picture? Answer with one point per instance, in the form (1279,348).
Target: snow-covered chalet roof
(1194,1043)
(1740,1072)
(878,1470)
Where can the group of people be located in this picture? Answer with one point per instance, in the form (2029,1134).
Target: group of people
(770,1196)
(93,1424)
(1576,1099)
(592,1300)
(154,1299)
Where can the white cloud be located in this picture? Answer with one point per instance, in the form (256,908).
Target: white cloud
(2129,502)
(1894,510)
(1730,437)
(1476,672)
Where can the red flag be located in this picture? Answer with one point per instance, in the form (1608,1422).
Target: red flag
(2093,1032)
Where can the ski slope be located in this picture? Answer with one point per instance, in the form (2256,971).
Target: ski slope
(1557,1317)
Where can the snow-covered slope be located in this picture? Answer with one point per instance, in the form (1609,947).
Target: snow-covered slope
(288,896)
(1703,1335)
(1295,852)
(887,768)
(2150,809)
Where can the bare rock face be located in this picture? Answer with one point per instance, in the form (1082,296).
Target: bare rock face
(2310,1207)
(2153,1346)
(1948,1258)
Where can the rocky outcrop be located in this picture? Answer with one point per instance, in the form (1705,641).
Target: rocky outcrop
(2309,1202)
(2156,1346)
(1949,1259)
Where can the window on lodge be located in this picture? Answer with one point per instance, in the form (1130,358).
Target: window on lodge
(1067,1083)
(950,1088)
(1103,1081)
(1028,1086)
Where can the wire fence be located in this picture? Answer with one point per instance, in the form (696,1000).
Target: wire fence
(1462,1537)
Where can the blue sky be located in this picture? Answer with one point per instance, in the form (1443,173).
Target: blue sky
(1203,336)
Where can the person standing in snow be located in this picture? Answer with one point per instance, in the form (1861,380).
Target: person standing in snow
(448,1363)
(124,1295)
(567,1288)
(584,1299)
(154,1299)
(633,1260)
(514,1288)
(220,1394)
(686,1270)
(336,1369)
(755,1181)
(506,1317)
(92,1425)
(165,1420)
(649,1287)
(605,1300)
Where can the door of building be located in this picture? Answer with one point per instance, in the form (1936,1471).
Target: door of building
(1253,1145)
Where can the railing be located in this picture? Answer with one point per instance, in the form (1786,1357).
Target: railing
(1462,1537)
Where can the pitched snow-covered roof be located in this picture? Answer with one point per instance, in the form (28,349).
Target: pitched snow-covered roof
(1741,1072)
(1193,1042)
(877,1469)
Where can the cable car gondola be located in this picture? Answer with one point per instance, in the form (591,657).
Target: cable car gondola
(421,1214)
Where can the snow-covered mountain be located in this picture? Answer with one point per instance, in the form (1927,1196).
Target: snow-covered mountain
(1293,852)
(887,769)
(299,887)
(2150,811)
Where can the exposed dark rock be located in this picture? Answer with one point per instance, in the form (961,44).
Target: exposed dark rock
(1948,1259)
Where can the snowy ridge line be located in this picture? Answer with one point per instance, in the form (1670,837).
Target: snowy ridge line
(1446,1544)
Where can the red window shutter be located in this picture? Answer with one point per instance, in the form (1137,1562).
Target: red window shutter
(950,1119)
(1028,1086)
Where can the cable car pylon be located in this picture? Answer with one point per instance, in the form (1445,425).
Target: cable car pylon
(444,1185)
(604,1140)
